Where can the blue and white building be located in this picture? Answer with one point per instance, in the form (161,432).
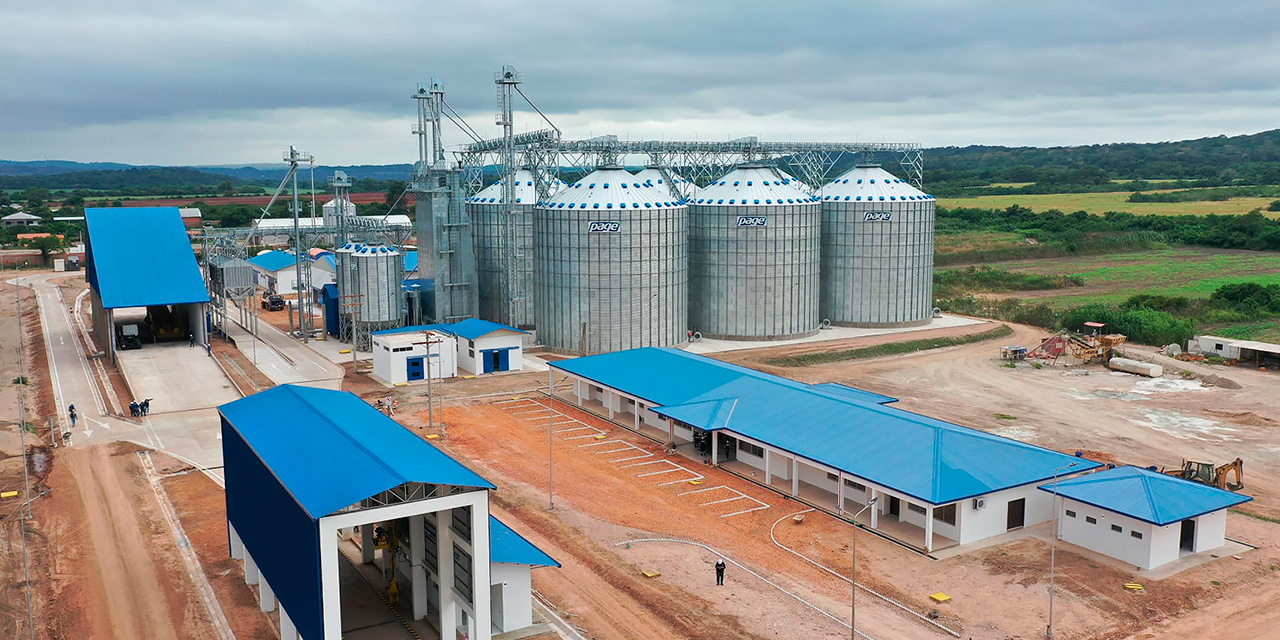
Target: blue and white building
(482,347)
(305,467)
(1142,517)
(936,484)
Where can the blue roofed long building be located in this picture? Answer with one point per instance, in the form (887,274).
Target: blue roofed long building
(305,468)
(141,257)
(935,483)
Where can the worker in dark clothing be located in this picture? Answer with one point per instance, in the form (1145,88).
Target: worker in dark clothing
(133,409)
(145,406)
(71,413)
(720,572)
(191,340)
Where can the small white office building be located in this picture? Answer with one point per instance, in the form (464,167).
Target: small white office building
(405,357)
(1142,517)
(482,346)
(277,271)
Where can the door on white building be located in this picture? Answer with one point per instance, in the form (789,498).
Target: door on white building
(1017,514)
(1187,541)
(495,609)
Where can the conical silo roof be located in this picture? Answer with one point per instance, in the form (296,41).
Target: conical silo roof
(612,188)
(680,186)
(753,185)
(868,182)
(526,192)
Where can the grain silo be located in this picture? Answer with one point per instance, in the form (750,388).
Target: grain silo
(505,233)
(754,257)
(678,186)
(378,276)
(610,265)
(877,250)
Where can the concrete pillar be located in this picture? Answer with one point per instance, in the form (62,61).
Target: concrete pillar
(444,551)
(928,529)
(638,409)
(480,587)
(418,579)
(610,399)
(671,431)
(875,511)
(367,552)
(577,391)
(768,467)
(237,545)
(840,492)
(287,630)
(715,448)
(795,476)
(250,569)
(266,596)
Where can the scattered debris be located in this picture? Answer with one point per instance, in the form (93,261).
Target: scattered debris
(939,597)
(1221,382)
(1248,418)
(650,573)
(1133,586)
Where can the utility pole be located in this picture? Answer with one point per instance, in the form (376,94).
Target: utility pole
(24,513)
(1053,546)
(551,428)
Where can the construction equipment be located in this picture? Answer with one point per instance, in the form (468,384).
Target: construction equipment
(128,337)
(1086,349)
(272,302)
(1013,352)
(1206,473)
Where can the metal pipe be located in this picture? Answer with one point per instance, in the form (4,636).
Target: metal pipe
(1053,546)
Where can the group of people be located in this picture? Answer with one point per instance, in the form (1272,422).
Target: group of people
(138,409)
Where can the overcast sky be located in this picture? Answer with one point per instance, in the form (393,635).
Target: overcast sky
(237,81)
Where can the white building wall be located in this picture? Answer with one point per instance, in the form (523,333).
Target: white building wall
(284,280)
(469,351)
(392,367)
(993,518)
(1214,345)
(1099,536)
(517,602)
(1211,530)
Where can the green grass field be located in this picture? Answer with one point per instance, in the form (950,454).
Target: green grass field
(1112,278)
(1099,203)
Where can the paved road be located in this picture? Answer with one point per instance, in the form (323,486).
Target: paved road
(282,358)
(194,436)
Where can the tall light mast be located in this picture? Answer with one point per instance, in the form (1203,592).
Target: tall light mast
(506,81)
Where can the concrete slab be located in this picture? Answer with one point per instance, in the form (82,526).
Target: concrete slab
(176,377)
(707,345)
(284,359)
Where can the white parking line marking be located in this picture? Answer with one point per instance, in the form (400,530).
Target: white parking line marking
(719,501)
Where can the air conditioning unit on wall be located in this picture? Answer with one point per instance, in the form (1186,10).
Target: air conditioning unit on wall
(979,503)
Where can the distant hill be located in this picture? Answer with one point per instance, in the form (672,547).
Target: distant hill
(275,173)
(128,178)
(51,167)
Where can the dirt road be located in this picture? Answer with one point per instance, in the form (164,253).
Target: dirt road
(132,589)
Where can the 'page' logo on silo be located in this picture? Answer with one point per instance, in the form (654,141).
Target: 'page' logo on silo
(603,226)
(753,221)
(878,216)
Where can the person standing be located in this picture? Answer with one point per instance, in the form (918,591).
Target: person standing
(133,408)
(145,406)
(720,572)
(71,413)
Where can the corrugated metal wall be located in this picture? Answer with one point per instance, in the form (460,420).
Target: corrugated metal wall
(757,280)
(877,263)
(489,222)
(629,287)
(282,538)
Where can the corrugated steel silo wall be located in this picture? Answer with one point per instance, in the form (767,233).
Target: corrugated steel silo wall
(877,272)
(491,243)
(629,287)
(380,276)
(754,282)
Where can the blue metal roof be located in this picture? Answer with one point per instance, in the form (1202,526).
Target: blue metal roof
(410,261)
(505,545)
(142,256)
(469,329)
(304,435)
(274,260)
(932,460)
(1146,495)
(855,394)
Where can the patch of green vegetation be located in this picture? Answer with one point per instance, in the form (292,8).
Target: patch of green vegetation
(1009,365)
(20,380)
(1255,516)
(951,282)
(1117,201)
(887,349)
(1005,416)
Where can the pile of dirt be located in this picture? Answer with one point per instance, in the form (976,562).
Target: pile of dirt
(1242,417)
(1213,380)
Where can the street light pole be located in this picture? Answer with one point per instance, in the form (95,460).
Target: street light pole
(853,599)
(1053,545)
(551,428)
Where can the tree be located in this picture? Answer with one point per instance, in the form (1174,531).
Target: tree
(47,245)
(227,188)
(238,217)
(394,199)
(35,197)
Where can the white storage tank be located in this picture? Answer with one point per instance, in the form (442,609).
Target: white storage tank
(611,265)
(877,250)
(754,257)
(678,186)
(379,273)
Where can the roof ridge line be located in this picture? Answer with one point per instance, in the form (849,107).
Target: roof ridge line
(346,434)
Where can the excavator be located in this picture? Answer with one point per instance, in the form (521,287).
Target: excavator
(1206,473)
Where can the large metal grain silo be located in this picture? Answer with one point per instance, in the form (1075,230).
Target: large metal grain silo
(877,250)
(378,276)
(610,265)
(754,257)
(505,233)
